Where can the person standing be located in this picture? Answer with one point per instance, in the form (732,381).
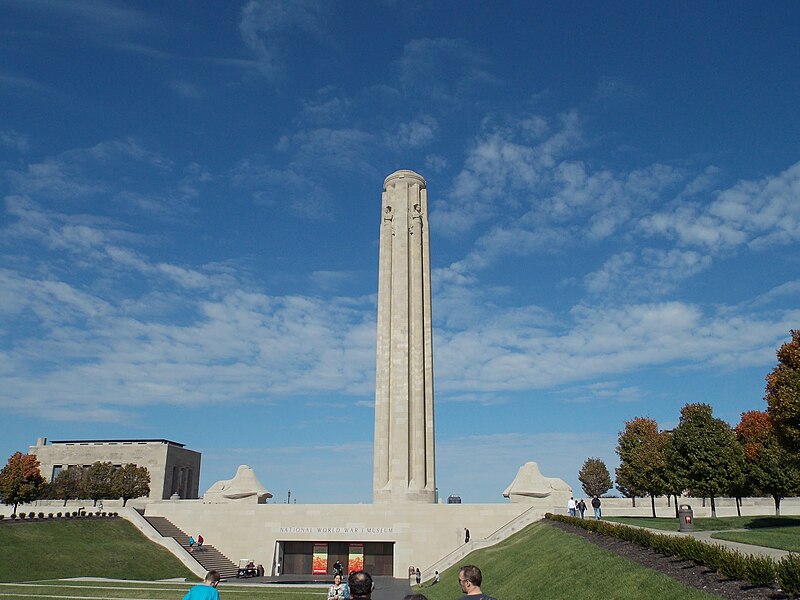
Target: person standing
(338,591)
(466,535)
(470,579)
(205,591)
(338,568)
(596,507)
(418,575)
(571,506)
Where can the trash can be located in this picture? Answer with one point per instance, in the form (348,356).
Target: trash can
(686,518)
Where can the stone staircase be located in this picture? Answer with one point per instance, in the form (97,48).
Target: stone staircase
(209,557)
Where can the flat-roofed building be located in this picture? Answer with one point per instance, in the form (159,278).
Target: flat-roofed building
(174,469)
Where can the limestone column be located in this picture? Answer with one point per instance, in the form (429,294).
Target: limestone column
(405,465)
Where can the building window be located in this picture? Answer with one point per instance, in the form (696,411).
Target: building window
(56,471)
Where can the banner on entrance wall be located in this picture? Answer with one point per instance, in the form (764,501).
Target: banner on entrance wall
(319,561)
(355,560)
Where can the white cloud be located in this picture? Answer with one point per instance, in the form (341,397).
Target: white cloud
(187,89)
(267,25)
(418,132)
(449,71)
(13,139)
(757,213)
(654,272)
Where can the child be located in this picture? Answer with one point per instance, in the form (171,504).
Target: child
(205,591)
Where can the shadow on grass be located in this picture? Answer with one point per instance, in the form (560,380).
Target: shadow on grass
(772,522)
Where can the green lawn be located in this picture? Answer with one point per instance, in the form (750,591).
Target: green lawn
(60,548)
(544,562)
(156,591)
(783,538)
(711,524)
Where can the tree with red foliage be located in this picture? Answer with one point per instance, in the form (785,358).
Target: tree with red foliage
(783,393)
(20,480)
(769,467)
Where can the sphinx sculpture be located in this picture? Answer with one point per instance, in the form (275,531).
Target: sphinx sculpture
(244,487)
(531,487)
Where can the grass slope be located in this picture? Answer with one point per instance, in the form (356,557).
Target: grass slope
(82,548)
(544,562)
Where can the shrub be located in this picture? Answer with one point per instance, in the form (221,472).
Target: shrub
(789,575)
(760,570)
(31,515)
(74,513)
(58,514)
(13,516)
(2,517)
(49,515)
(732,564)
(22,515)
(41,515)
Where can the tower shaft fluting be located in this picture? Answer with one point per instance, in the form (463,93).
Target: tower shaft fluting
(404,469)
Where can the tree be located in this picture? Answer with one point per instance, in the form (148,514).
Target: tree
(20,480)
(131,481)
(643,465)
(594,477)
(783,393)
(769,467)
(68,484)
(98,481)
(674,484)
(706,454)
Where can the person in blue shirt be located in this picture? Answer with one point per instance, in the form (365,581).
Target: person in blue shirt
(205,591)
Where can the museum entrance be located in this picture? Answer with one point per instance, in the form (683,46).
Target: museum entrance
(318,558)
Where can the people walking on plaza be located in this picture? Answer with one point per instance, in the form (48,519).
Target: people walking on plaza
(470,579)
(338,591)
(360,584)
(571,506)
(418,575)
(596,507)
(581,506)
(466,535)
(206,590)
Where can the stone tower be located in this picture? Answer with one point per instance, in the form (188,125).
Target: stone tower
(405,465)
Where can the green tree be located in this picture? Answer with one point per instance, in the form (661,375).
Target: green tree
(674,484)
(20,480)
(769,467)
(98,481)
(594,477)
(68,484)
(783,393)
(643,464)
(131,481)
(706,454)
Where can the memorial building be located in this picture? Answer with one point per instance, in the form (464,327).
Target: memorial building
(174,469)
(406,524)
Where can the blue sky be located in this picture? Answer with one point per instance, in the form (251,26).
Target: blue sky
(191,203)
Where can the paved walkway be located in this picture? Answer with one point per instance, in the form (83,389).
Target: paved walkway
(389,588)
(705,536)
